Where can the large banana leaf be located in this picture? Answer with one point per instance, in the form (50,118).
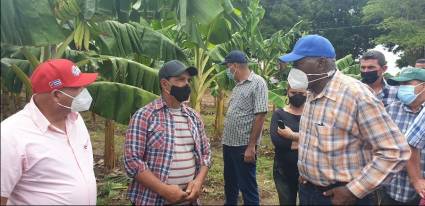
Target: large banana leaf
(118,101)
(129,72)
(123,40)
(15,72)
(29,22)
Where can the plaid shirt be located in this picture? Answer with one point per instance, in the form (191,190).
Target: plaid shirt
(248,98)
(347,136)
(149,145)
(400,188)
(416,132)
(387,94)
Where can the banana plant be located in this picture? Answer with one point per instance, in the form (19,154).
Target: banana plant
(348,66)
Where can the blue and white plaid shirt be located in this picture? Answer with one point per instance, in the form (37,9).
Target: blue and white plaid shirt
(400,188)
(416,132)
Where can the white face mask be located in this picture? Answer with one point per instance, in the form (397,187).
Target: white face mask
(81,102)
(297,79)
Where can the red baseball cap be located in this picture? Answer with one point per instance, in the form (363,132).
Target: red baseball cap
(57,74)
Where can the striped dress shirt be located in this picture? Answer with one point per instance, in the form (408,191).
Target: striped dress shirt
(347,136)
(416,132)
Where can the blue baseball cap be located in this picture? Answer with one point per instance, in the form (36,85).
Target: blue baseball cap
(310,46)
(235,56)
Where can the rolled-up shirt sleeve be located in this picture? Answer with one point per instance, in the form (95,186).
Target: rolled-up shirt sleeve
(135,144)
(12,164)
(389,146)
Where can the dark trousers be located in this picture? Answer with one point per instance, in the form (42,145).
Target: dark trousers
(239,175)
(312,195)
(387,200)
(286,182)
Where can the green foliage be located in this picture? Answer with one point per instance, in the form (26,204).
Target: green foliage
(124,40)
(14,74)
(118,101)
(338,20)
(29,22)
(348,66)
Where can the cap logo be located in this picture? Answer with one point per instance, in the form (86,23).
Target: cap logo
(75,71)
(55,83)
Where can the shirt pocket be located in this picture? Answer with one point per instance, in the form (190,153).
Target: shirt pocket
(157,136)
(329,139)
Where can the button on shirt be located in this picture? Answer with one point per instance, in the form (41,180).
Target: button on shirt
(248,98)
(400,188)
(150,144)
(42,165)
(347,136)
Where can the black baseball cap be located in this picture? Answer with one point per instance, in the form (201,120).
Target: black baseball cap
(175,68)
(235,56)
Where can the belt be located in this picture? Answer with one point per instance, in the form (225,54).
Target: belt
(325,188)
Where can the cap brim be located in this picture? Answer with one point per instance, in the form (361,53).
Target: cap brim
(291,57)
(395,81)
(84,80)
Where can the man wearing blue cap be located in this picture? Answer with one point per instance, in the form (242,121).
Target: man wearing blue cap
(348,144)
(242,130)
(404,110)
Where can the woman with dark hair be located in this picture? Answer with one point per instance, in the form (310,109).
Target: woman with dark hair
(284,128)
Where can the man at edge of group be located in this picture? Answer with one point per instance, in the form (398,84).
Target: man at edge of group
(372,69)
(242,130)
(167,153)
(416,139)
(46,152)
(348,144)
(403,111)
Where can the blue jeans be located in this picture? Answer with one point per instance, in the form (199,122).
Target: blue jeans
(239,175)
(310,195)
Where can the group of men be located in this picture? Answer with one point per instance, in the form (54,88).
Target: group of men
(354,136)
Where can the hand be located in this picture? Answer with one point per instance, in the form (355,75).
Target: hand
(341,196)
(285,133)
(173,194)
(419,186)
(301,180)
(249,155)
(294,145)
(193,190)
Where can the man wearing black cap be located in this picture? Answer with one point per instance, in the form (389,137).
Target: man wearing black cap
(372,68)
(348,144)
(242,130)
(167,152)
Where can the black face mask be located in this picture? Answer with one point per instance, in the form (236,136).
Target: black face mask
(369,77)
(297,100)
(180,93)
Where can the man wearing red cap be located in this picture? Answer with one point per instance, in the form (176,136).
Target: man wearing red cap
(46,153)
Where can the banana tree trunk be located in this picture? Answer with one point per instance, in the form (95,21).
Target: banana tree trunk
(109,152)
(219,117)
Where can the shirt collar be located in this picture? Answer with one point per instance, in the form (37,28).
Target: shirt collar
(40,120)
(250,78)
(161,104)
(330,89)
